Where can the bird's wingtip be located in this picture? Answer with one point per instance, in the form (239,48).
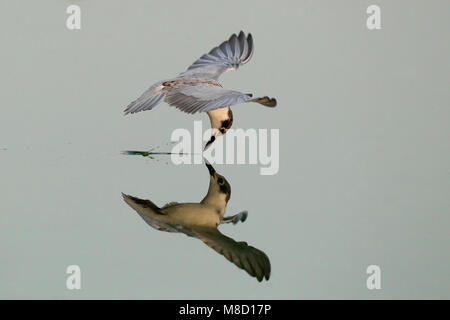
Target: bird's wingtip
(274,102)
(244,216)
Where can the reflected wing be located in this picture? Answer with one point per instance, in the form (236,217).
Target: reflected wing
(241,216)
(231,54)
(154,216)
(246,257)
(149,212)
(201,97)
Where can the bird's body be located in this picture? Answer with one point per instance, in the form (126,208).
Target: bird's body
(201,220)
(197,89)
(193,214)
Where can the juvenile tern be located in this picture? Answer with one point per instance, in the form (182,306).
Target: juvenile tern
(197,89)
(201,220)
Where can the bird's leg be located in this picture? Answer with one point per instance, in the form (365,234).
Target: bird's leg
(241,216)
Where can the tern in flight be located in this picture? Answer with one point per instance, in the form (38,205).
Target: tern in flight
(197,89)
(201,220)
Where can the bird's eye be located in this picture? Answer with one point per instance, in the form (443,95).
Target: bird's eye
(220,181)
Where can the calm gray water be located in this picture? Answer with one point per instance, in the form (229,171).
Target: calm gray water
(364,149)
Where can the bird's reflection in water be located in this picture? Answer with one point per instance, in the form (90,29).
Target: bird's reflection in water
(201,220)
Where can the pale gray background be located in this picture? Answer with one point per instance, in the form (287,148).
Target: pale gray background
(365,159)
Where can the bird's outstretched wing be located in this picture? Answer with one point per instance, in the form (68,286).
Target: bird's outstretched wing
(202,97)
(149,212)
(154,216)
(246,257)
(231,54)
(147,100)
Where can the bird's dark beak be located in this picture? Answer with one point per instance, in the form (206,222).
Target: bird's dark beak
(210,169)
(211,140)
